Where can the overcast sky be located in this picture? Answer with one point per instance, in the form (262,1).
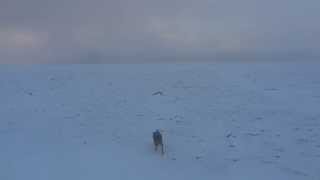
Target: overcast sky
(102,31)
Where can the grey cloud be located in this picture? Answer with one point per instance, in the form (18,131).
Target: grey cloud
(98,31)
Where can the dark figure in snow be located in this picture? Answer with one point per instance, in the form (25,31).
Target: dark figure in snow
(157,140)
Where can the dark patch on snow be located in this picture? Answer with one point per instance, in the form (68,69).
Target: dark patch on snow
(158,93)
(229,135)
(277,156)
(198,157)
(235,160)
(29,93)
(232,146)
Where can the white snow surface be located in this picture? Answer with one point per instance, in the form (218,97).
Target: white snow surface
(223,121)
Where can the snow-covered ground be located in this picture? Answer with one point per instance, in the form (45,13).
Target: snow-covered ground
(223,121)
